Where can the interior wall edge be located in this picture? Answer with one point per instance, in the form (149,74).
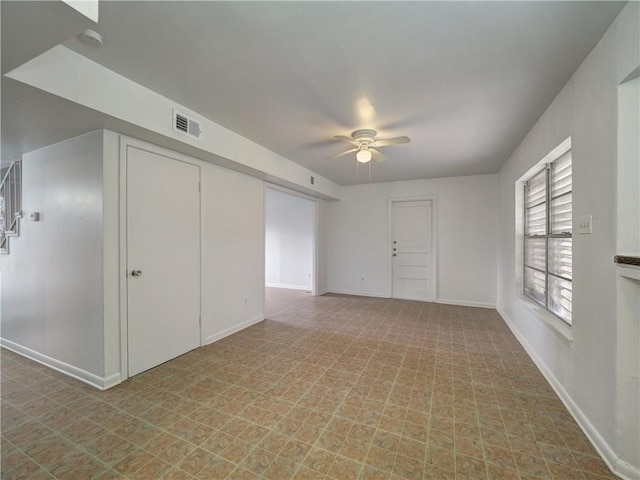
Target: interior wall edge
(111,252)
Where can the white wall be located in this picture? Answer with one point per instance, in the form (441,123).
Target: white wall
(232,206)
(466,225)
(61,289)
(232,243)
(582,372)
(52,300)
(290,222)
(322,207)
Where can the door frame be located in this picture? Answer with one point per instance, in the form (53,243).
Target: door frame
(314,246)
(125,143)
(433,289)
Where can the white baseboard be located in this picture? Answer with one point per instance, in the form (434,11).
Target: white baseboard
(89,378)
(291,287)
(359,294)
(231,330)
(439,300)
(112,380)
(625,470)
(464,303)
(321,292)
(615,463)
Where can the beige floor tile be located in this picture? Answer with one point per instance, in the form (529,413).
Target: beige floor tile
(331,387)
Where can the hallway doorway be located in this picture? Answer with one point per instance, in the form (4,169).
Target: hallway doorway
(290,230)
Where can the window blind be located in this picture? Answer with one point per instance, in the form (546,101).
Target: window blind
(548,216)
(535,245)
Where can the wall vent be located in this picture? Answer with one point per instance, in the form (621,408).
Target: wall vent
(186,125)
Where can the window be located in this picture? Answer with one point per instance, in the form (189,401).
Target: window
(548,238)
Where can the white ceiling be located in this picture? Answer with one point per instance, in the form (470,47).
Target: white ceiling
(464,80)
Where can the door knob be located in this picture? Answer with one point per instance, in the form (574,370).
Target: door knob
(136,273)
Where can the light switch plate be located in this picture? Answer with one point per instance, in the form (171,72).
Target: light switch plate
(585,225)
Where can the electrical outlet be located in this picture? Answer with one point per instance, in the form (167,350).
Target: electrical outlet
(246,300)
(585,225)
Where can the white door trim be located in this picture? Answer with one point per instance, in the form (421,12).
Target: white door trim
(125,143)
(433,290)
(316,220)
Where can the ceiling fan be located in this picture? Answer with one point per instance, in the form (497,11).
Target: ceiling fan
(365,143)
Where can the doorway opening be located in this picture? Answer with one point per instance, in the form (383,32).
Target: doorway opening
(290,247)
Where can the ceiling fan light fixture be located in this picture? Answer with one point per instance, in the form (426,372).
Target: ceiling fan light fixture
(364,144)
(363,155)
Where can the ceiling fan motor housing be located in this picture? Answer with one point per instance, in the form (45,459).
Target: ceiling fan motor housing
(364,136)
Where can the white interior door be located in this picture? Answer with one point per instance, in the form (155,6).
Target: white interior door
(163,259)
(412,256)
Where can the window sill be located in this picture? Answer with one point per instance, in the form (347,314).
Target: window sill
(553,323)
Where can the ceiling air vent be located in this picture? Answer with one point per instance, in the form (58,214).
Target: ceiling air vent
(186,125)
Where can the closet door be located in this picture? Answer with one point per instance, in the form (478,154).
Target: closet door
(163,258)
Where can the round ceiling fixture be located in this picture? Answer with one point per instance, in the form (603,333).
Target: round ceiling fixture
(90,38)
(363,155)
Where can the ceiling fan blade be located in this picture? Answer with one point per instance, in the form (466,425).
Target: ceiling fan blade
(320,143)
(391,141)
(378,156)
(342,153)
(346,139)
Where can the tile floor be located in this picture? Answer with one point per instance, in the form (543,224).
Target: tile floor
(333,387)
